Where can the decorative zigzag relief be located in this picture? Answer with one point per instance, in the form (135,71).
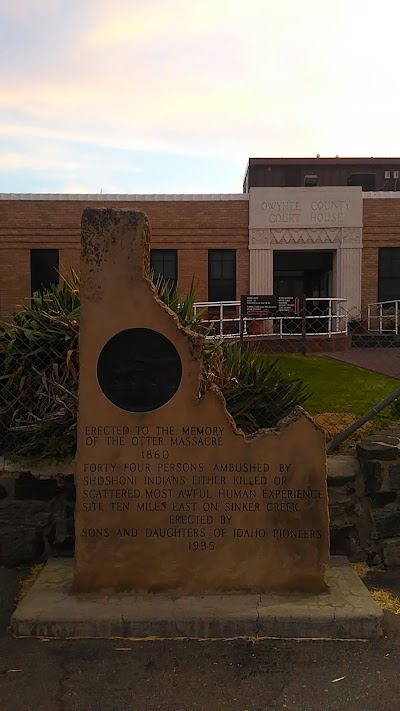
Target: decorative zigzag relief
(305,236)
(334,235)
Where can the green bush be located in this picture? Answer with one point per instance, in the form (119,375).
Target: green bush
(39,374)
(257,394)
(39,367)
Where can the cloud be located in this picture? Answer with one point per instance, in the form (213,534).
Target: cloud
(22,161)
(223,80)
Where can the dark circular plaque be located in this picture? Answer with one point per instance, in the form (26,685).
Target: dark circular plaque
(139,370)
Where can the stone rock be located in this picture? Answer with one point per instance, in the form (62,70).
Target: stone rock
(341,505)
(35,514)
(8,483)
(394,475)
(62,536)
(42,470)
(384,437)
(358,510)
(391,551)
(373,475)
(67,484)
(374,558)
(23,529)
(19,545)
(342,470)
(386,523)
(384,447)
(384,498)
(344,540)
(31,487)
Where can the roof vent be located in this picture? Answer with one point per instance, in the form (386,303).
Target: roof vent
(310,181)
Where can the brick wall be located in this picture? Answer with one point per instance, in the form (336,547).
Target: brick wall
(191,226)
(381,218)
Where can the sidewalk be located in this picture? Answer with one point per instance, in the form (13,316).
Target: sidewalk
(160,675)
(380,360)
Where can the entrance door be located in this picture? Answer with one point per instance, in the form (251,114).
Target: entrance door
(289,283)
(308,273)
(316,284)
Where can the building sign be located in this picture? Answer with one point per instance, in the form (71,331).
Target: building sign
(269,305)
(305,207)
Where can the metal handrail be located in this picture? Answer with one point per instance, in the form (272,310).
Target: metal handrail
(392,309)
(334,328)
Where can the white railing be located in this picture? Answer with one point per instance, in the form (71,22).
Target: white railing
(383,317)
(324,317)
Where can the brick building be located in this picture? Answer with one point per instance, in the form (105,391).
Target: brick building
(310,226)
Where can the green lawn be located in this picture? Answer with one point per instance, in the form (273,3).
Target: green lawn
(337,387)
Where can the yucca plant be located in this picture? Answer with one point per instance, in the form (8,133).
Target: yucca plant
(39,371)
(181,304)
(256,392)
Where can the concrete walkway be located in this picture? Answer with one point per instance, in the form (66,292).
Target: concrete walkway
(345,611)
(237,675)
(380,360)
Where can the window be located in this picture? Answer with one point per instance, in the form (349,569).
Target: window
(292,176)
(164,263)
(389,274)
(44,269)
(366,180)
(221,274)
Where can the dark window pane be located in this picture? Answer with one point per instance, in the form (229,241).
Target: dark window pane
(228,269)
(44,269)
(389,274)
(215,269)
(292,176)
(221,275)
(164,263)
(366,180)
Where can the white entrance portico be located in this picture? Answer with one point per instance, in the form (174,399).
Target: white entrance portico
(307,220)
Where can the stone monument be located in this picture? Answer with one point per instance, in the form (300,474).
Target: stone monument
(170,495)
(185,527)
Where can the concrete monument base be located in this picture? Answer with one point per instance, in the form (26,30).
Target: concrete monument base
(346,611)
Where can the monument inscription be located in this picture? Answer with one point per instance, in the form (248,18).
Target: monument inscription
(170,495)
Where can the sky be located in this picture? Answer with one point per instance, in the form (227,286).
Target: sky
(174,96)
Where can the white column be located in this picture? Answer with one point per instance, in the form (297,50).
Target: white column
(261,262)
(261,271)
(349,277)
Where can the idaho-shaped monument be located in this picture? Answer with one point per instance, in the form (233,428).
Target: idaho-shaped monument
(170,495)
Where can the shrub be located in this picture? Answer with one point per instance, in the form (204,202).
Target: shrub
(39,367)
(257,394)
(39,374)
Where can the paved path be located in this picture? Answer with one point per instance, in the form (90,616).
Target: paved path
(379,360)
(118,675)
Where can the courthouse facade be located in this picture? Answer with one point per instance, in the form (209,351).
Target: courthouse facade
(323,227)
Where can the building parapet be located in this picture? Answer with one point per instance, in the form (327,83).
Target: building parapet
(100,197)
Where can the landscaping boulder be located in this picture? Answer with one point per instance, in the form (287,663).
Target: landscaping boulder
(384,447)
(386,523)
(391,551)
(30,487)
(342,470)
(394,475)
(23,530)
(344,540)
